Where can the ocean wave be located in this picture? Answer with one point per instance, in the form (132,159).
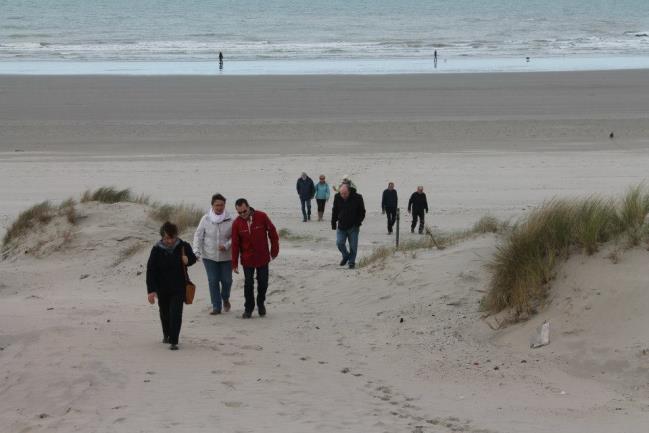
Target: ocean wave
(183,50)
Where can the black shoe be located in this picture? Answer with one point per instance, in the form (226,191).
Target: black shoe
(343,262)
(173,347)
(165,339)
(215,312)
(261,309)
(246,315)
(304,220)
(352,266)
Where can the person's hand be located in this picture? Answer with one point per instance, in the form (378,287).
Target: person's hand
(151,297)
(333,226)
(222,248)
(235,270)
(185,260)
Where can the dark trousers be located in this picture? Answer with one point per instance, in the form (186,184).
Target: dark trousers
(417,214)
(171,314)
(249,287)
(391,213)
(306,207)
(321,204)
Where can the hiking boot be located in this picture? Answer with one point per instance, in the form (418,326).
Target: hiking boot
(343,262)
(352,266)
(261,309)
(226,306)
(246,315)
(215,312)
(173,347)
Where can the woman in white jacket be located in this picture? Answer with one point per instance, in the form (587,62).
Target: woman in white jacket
(212,244)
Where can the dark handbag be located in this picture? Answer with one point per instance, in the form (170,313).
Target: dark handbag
(190,288)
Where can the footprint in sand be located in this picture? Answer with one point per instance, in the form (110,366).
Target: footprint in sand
(233,404)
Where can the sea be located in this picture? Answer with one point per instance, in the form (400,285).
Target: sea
(320,36)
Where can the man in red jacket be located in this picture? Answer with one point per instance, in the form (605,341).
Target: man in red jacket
(250,234)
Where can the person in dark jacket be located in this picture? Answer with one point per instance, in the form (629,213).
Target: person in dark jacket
(417,206)
(306,191)
(165,279)
(389,204)
(251,232)
(347,216)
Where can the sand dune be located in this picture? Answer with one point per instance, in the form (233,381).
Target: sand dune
(81,350)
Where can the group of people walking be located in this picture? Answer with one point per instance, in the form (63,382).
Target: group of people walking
(222,241)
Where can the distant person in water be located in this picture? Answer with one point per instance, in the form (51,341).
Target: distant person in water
(165,279)
(251,233)
(417,206)
(305,190)
(435,58)
(347,216)
(220,57)
(389,203)
(321,195)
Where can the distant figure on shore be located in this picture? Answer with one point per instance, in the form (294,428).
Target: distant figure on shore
(347,215)
(212,244)
(251,232)
(305,190)
(417,206)
(389,203)
(435,58)
(321,195)
(220,60)
(345,181)
(165,279)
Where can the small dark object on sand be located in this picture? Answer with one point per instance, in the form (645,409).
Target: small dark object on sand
(401,321)
(611,136)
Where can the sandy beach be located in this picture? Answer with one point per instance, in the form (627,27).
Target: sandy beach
(80,345)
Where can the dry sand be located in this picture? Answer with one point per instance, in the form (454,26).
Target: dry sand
(82,354)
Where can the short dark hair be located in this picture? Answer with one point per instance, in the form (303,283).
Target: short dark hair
(169,228)
(216,197)
(241,201)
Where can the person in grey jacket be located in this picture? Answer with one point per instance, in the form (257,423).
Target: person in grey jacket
(212,244)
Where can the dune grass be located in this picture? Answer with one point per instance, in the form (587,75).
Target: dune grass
(525,263)
(433,239)
(183,215)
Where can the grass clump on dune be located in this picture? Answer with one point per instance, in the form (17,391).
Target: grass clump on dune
(525,263)
(183,215)
(38,216)
(110,195)
(439,240)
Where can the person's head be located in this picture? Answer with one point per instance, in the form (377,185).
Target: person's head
(344,191)
(322,178)
(243,209)
(420,189)
(391,185)
(304,175)
(218,204)
(169,233)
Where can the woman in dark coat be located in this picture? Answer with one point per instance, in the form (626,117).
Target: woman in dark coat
(166,278)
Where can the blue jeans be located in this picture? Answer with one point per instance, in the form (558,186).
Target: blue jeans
(351,235)
(306,207)
(219,277)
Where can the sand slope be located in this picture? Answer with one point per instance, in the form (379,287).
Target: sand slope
(81,348)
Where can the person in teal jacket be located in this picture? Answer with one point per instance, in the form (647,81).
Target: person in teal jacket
(321,195)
